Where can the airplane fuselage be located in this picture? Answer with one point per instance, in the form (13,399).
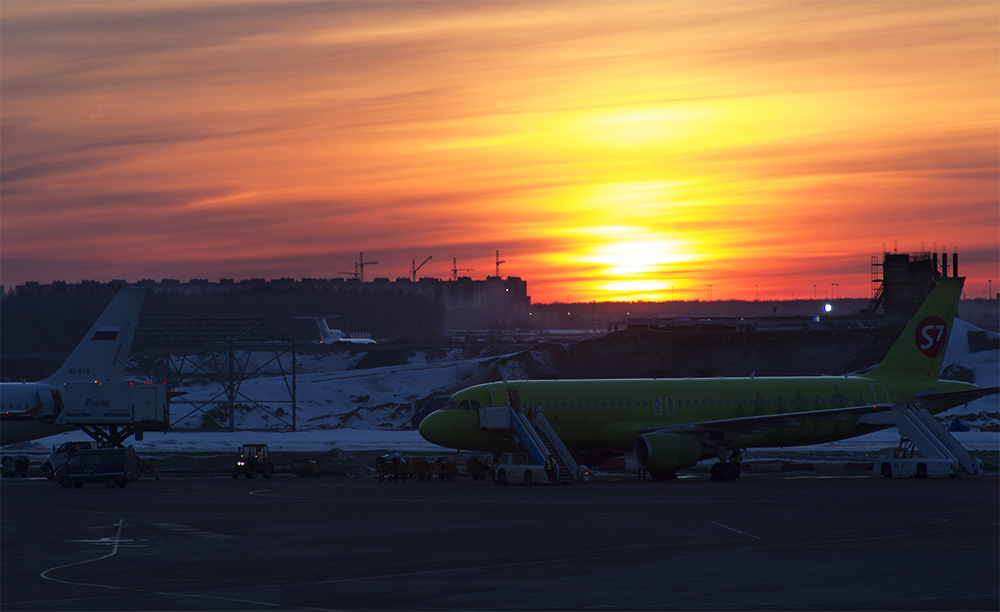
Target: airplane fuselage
(24,412)
(593,416)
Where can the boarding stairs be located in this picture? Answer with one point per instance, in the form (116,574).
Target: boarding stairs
(931,438)
(535,435)
(569,469)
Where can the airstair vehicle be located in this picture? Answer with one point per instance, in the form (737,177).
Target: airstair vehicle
(923,435)
(537,438)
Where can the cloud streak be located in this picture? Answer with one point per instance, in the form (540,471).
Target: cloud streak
(754,140)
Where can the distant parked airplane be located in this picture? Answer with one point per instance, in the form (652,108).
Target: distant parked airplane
(27,410)
(671,424)
(330,336)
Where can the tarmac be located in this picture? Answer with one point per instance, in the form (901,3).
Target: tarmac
(769,541)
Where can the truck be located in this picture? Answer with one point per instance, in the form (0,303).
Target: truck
(112,466)
(61,454)
(905,460)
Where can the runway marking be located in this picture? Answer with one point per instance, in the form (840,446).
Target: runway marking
(116,544)
(120,543)
(114,551)
(736,530)
(186,530)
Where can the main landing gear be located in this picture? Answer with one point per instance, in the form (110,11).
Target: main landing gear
(725,471)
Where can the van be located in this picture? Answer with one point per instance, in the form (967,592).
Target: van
(61,455)
(112,466)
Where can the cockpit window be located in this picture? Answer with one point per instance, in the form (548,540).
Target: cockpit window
(461,405)
(450,406)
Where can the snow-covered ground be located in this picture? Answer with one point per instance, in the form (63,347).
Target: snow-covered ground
(364,409)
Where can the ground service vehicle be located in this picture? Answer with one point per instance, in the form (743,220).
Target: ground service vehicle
(421,468)
(12,466)
(516,468)
(112,466)
(61,454)
(905,460)
(479,469)
(303,466)
(253,460)
(391,467)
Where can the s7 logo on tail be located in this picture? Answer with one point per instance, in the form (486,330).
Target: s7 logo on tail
(930,336)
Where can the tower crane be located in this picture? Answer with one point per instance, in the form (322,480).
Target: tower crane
(498,263)
(414,267)
(351,274)
(455,269)
(359,267)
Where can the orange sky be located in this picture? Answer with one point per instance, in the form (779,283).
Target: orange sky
(609,150)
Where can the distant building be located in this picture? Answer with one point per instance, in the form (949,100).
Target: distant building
(901,283)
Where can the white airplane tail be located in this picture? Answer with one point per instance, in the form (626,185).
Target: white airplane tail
(102,354)
(326,334)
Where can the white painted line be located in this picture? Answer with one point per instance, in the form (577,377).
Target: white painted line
(736,530)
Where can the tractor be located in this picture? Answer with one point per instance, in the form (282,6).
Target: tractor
(253,460)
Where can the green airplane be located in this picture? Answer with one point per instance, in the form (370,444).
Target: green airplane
(671,424)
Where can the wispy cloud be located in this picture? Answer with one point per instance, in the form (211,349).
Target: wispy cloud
(758,140)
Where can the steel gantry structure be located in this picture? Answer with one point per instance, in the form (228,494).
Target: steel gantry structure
(217,355)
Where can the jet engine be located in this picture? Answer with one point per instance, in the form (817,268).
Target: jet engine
(662,453)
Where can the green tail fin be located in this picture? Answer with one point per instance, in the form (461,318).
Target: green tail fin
(919,351)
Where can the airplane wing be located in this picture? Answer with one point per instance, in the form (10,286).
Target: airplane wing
(753,424)
(929,397)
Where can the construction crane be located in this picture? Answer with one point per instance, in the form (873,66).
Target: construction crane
(351,274)
(414,267)
(498,263)
(455,269)
(361,264)
(359,267)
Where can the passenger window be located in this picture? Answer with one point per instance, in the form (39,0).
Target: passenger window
(604,404)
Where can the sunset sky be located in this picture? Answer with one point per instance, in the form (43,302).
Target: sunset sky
(608,150)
